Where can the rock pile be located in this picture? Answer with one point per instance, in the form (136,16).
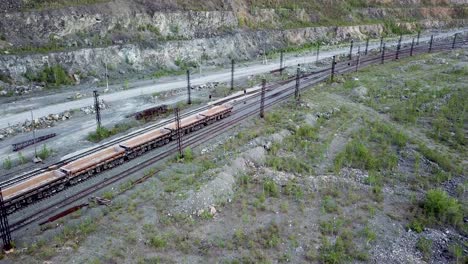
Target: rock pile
(38,123)
(209,85)
(11,90)
(90,109)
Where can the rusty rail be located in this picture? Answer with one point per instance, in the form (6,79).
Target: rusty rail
(24,144)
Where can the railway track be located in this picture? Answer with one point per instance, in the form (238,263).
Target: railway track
(199,137)
(38,171)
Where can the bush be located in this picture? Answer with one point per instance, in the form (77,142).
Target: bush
(357,155)
(424,245)
(51,76)
(416,225)
(188,155)
(22,159)
(443,208)
(45,152)
(270,188)
(7,163)
(329,204)
(307,132)
(158,242)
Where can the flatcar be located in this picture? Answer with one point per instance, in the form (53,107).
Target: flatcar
(33,189)
(55,180)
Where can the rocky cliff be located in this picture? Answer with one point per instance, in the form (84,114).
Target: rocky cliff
(143,35)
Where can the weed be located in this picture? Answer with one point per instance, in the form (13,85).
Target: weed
(424,245)
(103,132)
(457,252)
(416,226)
(270,188)
(441,207)
(158,242)
(45,152)
(206,215)
(7,163)
(284,206)
(432,155)
(188,154)
(22,159)
(329,204)
(331,227)
(369,234)
(293,189)
(108,195)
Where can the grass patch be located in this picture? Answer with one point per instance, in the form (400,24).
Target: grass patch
(158,241)
(424,245)
(372,148)
(103,132)
(7,163)
(45,152)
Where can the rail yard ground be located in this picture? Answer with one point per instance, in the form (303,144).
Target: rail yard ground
(370,168)
(68,111)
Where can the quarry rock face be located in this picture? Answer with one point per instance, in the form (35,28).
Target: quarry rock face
(131,36)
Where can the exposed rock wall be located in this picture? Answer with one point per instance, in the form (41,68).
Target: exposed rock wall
(136,58)
(144,35)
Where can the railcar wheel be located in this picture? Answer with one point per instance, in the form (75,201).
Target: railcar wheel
(11,209)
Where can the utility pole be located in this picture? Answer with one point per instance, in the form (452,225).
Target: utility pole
(419,35)
(189,99)
(318,52)
(383,54)
(430,43)
(4,225)
(107,78)
(367,46)
(381,44)
(298,82)
(358,58)
(333,68)
(397,54)
(232,74)
(351,50)
(454,40)
(97,109)
(262,99)
(412,47)
(178,131)
(34,134)
(281,62)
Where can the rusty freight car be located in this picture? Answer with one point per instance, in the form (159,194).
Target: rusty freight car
(147,141)
(85,167)
(33,189)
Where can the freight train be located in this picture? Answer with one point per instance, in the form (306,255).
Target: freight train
(56,179)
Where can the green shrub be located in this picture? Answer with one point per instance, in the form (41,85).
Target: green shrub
(7,163)
(288,164)
(103,132)
(188,155)
(22,159)
(158,242)
(438,158)
(307,132)
(356,154)
(329,204)
(425,245)
(416,225)
(51,76)
(45,152)
(270,188)
(440,206)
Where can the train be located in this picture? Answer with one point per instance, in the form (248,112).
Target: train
(56,179)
